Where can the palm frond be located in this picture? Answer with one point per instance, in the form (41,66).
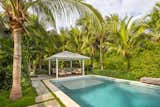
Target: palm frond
(65,12)
(98,15)
(12,2)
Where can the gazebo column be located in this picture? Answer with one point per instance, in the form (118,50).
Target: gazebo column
(83,72)
(56,68)
(71,64)
(49,67)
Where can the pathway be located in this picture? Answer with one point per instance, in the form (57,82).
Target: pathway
(44,98)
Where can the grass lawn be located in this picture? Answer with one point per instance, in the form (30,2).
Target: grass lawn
(28,98)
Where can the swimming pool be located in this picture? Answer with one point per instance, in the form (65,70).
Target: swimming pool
(96,91)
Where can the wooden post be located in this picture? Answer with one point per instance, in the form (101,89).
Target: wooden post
(56,68)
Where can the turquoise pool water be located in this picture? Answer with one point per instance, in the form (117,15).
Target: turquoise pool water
(98,92)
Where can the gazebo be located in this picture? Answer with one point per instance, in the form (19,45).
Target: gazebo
(66,56)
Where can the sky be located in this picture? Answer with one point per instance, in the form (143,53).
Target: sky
(136,8)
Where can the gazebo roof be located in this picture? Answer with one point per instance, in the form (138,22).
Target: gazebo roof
(65,55)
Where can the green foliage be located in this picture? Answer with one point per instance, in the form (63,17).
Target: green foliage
(126,38)
(5,59)
(153,22)
(113,73)
(145,62)
(28,98)
(114,62)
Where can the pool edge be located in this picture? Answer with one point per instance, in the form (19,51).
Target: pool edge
(132,82)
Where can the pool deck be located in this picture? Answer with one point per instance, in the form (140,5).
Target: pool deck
(68,102)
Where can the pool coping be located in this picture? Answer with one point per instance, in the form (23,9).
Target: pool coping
(65,99)
(68,102)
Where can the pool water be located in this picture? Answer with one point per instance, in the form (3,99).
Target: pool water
(98,92)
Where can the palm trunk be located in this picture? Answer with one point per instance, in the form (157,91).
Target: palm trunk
(40,64)
(92,57)
(101,53)
(29,66)
(28,60)
(16,91)
(92,63)
(127,58)
(128,64)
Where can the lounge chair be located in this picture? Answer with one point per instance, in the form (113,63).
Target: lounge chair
(68,71)
(77,71)
(62,73)
(148,80)
(53,71)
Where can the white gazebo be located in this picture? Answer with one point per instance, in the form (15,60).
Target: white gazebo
(67,56)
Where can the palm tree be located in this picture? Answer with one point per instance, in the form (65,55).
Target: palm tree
(33,44)
(102,34)
(98,29)
(128,34)
(153,23)
(92,28)
(17,13)
(89,31)
(16,17)
(74,40)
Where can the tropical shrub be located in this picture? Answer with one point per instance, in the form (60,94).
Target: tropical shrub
(145,62)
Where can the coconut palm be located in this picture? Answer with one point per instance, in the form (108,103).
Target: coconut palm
(95,34)
(34,44)
(89,31)
(96,31)
(127,36)
(74,40)
(17,14)
(102,35)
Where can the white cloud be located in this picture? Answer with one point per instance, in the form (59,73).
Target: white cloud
(136,8)
(1,9)
(123,7)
